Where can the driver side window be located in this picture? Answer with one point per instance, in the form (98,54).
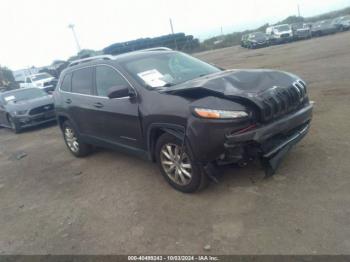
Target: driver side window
(28,80)
(107,78)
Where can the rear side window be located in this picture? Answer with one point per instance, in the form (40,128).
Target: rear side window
(66,83)
(107,78)
(82,81)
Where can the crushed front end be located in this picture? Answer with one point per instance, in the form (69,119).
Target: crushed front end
(280,117)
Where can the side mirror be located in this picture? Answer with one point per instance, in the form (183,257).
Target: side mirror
(119,92)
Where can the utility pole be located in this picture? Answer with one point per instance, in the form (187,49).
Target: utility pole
(298,10)
(171,26)
(71,26)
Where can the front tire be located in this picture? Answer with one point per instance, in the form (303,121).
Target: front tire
(73,142)
(14,126)
(178,166)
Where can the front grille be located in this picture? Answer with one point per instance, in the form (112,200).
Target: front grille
(283,100)
(285,35)
(41,109)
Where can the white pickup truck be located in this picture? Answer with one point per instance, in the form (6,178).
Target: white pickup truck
(280,33)
(42,80)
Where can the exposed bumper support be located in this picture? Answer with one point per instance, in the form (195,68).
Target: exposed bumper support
(272,142)
(292,140)
(272,159)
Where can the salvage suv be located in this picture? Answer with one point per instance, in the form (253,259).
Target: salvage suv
(185,114)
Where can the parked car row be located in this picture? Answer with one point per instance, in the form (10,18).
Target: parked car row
(285,33)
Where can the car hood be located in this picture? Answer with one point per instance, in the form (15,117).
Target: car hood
(30,104)
(236,83)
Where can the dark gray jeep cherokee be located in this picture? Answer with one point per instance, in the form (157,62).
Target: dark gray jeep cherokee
(184,114)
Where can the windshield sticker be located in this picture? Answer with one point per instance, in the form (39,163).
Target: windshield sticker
(9,98)
(152,78)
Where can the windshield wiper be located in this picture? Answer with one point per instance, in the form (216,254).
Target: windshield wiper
(169,84)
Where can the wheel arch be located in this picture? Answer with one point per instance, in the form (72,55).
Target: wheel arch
(156,130)
(8,115)
(61,118)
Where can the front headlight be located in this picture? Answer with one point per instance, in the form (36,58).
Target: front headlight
(219,114)
(20,112)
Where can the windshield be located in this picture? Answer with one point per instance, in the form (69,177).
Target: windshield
(257,35)
(282,28)
(162,70)
(300,26)
(40,77)
(324,22)
(23,95)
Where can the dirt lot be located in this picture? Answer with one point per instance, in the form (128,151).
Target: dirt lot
(110,202)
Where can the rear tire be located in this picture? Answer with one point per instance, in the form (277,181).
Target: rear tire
(73,142)
(178,166)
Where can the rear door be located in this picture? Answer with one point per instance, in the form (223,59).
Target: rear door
(114,120)
(79,101)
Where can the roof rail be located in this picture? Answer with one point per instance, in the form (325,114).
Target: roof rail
(92,58)
(161,48)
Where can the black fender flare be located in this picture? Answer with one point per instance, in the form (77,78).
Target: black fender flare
(66,116)
(178,131)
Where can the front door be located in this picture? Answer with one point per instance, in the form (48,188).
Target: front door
(114,120)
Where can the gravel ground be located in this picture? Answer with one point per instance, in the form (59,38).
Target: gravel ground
(113,203)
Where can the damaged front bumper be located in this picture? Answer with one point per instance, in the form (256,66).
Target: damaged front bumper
(270,142)
(215,142)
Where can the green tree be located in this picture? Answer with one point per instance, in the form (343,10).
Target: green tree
(7,81)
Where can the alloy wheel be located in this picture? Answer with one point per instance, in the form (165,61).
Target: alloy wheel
(71,139)
(12,123)
(176,164)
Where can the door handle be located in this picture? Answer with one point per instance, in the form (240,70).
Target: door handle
(68,101)
(98,105)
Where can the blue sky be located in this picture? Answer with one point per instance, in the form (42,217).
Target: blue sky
(36,32)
